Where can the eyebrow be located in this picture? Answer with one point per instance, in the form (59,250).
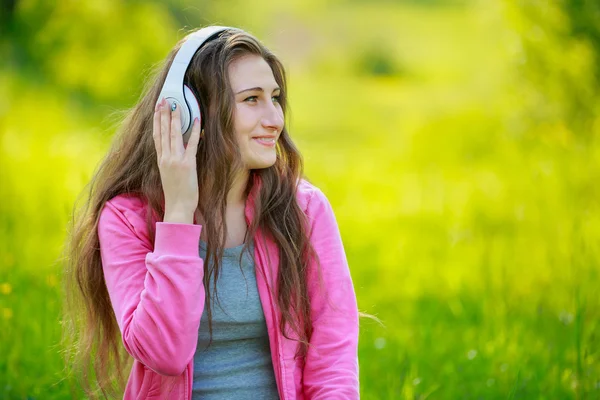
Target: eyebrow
(257,89)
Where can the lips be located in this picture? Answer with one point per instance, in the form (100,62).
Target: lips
(265,140)
(265,137)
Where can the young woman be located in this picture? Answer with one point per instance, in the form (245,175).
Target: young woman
(208,257)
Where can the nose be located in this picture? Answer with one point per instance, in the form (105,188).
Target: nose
(272,119)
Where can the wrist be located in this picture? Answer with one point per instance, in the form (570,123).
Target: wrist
(179,217)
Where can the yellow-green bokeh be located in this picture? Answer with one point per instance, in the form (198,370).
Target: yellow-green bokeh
(456,141)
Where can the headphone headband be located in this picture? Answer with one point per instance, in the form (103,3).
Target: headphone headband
(173,90)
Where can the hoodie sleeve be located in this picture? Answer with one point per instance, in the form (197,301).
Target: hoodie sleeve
(331,367)
(156,291)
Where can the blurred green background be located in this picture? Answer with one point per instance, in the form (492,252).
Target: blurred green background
(456,140)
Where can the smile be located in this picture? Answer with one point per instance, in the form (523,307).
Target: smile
(269,142)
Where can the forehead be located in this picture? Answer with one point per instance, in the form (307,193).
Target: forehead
(249,71)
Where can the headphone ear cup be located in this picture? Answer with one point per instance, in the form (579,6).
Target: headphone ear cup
(194,108)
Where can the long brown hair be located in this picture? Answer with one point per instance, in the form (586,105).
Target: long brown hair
(91,334)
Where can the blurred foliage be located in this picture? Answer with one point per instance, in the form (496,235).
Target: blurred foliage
(557,49)
(456,140)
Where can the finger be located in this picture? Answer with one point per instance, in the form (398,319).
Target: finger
(176,136)
(165,122)
(192,145)
(156,132)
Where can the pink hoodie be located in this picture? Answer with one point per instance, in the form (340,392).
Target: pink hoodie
(157,294)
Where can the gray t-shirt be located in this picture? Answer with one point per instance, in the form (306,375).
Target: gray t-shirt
(237,365)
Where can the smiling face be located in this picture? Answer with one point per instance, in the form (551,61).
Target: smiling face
(258,115)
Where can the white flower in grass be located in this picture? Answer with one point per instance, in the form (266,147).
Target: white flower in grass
(472,354)
(565,317)
(379,343)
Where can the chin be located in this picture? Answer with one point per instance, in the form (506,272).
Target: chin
(261,164)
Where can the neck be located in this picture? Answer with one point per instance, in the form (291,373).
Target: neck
(236,197)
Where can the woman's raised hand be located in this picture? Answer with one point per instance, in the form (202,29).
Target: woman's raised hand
(177,164)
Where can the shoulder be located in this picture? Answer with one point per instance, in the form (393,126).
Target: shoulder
(124,211)
(311,198)
(305,191)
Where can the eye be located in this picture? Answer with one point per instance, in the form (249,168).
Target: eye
(251,97)
(277,98)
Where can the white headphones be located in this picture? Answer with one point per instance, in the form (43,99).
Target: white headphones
(173,90)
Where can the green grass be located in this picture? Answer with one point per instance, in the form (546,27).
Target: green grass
(471,231)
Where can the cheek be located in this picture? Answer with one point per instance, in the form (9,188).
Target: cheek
(243,119)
